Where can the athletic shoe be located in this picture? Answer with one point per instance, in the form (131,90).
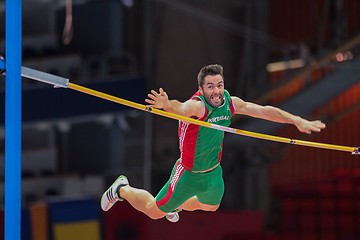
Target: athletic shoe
(173,216)
(111,196)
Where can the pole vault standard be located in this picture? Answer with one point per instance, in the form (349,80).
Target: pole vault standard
(63,82)
(13,120)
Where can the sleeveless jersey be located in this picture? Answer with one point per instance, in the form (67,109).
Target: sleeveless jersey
(201,147)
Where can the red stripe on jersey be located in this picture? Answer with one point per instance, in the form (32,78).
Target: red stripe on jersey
(173,182)
(188,134)
(232,107)
(220,153)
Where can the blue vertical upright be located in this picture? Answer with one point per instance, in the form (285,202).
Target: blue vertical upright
(13,120)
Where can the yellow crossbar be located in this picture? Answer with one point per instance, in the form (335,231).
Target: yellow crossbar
(353,150)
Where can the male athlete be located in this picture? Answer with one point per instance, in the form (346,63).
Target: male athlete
(196,181)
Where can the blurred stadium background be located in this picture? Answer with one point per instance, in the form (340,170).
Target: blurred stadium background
(300,55)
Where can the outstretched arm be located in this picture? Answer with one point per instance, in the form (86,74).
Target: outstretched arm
(190,108)
(276,115)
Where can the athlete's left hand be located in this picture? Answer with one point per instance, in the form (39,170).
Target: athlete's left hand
(306,126)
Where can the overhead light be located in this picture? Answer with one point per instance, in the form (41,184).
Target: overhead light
(284,65)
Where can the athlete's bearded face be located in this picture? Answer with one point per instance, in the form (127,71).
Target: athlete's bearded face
(213,90)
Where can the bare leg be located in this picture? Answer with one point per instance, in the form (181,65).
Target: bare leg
(142,201)
(193,204)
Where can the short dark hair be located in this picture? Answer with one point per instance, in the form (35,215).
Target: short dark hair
(214,69)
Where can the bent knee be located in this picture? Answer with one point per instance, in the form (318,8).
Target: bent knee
(153,211)
(214,208)
(155,214)
(155,217)
(210,208)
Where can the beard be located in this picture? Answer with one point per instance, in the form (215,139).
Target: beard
(215,100)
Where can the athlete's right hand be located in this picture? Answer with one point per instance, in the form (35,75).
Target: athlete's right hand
(157,100)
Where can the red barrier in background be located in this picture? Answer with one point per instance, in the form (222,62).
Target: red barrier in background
(124,222)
